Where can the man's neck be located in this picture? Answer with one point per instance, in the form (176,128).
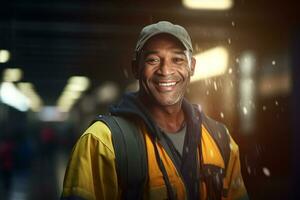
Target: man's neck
(168,118)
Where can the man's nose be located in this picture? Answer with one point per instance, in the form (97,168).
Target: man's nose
(166,68)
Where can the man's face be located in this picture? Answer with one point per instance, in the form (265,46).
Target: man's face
(165,70)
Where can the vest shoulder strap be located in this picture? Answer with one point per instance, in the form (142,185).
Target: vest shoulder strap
(219,133)
(130,152)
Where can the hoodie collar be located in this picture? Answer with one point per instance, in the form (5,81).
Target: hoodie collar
(131,106)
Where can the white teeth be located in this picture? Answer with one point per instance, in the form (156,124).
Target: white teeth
(167,84)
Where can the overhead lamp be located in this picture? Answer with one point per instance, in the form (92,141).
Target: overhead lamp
(208,4)
(12,74)
(28,90)
(25,87)
(212,62)
(78,83)
(71,94)
(10,95)
(64,104)
(65,101)
(4,56)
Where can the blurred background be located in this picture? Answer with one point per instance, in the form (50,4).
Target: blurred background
(63,62)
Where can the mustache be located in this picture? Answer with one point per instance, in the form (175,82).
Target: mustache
(158,78)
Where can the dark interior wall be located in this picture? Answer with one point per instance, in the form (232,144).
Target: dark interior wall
(295,114)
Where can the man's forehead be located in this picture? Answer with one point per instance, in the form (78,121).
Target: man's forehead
(162,40)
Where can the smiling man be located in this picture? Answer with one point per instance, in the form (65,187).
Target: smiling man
(155,144)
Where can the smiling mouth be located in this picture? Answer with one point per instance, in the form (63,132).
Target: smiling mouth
(166,84)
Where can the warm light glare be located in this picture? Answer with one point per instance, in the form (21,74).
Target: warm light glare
(208,4)
(210,63)
(275,84)
(4,56)
(247,64)
(11,96)
(12,74)
(247,90)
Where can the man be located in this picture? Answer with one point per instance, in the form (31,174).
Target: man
(184,158)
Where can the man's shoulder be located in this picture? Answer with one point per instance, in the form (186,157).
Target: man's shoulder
(99,131)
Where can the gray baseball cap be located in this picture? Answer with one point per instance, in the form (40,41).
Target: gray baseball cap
(163,27)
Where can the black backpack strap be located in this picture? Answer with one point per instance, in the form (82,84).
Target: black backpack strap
(130,152)
(218,132)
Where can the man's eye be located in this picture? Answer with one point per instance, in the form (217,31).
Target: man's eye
(152,61)
(178,60)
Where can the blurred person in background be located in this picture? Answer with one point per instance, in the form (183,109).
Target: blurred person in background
(155,144)
(48,141)
(7,163)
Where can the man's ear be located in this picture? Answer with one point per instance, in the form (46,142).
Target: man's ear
(135,69)
(193,65)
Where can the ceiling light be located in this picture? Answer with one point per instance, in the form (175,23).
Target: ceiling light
(72,92)
(25,87)
(64,104)
(212,62)
(12,74)
(10,95)
(74,95)
(78,83)
(208,4)
(4,55)
(28,90)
